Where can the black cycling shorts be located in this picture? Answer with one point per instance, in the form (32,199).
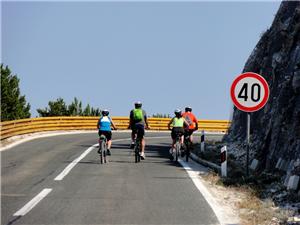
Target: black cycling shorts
(107,134)
(138,129)
(177,131)
(188,132)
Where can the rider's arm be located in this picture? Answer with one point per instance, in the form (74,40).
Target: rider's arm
(98,124)
(147,124)
(130,119)
(146,121)
(196,123)
(113,125)
(169,124)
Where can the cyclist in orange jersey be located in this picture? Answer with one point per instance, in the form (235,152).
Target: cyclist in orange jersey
(192,121)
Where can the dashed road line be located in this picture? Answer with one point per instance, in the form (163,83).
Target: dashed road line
(73,163)
(33,202)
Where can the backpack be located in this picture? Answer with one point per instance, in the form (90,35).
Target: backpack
(138,115)
(188,120)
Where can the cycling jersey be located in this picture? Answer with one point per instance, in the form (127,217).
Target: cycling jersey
(177,122)
(190,119)
(104,123)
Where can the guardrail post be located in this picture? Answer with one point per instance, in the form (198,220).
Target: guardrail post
(202,141)
(224,161)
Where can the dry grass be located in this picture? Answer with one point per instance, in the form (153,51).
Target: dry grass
(251,209)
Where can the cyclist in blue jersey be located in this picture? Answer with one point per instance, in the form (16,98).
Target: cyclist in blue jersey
(104,126)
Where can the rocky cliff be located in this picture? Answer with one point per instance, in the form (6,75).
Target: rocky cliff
(275,129)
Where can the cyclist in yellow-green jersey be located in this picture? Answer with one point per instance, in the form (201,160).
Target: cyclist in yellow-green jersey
(178,123)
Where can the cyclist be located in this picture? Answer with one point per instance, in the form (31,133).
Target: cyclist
(137,123)
(192,121)
(104,127)
(178,123)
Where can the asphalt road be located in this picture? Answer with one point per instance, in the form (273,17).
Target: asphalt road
(155,191)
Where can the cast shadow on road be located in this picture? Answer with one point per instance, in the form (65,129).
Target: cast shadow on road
(121,153)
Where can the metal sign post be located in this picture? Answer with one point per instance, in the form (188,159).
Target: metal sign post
(248,144)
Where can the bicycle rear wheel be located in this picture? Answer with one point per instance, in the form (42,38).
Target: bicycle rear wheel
(187,154)
(177,148)
(137,152)
(101,155)
(104,156)
(187,149)
(102,147)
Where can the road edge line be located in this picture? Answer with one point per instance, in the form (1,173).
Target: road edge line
(217,209)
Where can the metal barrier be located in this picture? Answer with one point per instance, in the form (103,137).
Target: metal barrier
(32,125)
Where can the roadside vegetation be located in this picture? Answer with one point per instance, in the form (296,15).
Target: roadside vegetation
(13,104)
(262,197)
(60,108)
(161,115)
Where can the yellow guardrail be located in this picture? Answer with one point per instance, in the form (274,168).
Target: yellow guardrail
(25,126)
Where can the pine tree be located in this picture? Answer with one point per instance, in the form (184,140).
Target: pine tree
(75,108)
(56,108)
(59,108)
(13,105)
(87,110)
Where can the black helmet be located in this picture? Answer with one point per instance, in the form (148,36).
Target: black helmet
(188,109)
(105,112)
(138,104)
(177,112)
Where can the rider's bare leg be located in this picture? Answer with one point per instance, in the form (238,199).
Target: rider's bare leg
(133,136)
(143,144)
(181,139)
(109,144)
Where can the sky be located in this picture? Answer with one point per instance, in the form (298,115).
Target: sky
(110,54)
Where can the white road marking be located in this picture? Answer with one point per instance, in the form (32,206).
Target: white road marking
(222,216)
(32,203)
(72,164)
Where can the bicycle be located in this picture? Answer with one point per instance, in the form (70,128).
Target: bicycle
(188,145)
(102,149)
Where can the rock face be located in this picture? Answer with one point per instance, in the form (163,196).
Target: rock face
(275,129)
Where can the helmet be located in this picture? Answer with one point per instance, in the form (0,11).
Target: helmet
(138,104)
(188,109)
(177,112)
(105,112)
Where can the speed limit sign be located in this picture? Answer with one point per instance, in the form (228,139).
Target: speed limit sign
(249,92)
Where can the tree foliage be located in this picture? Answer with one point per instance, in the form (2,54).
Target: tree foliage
(13,104)
(60,108)
(161,115)
(56,108)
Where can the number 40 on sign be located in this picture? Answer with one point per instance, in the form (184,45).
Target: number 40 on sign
(249,92)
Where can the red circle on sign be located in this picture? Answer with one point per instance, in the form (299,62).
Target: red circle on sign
(265,97)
